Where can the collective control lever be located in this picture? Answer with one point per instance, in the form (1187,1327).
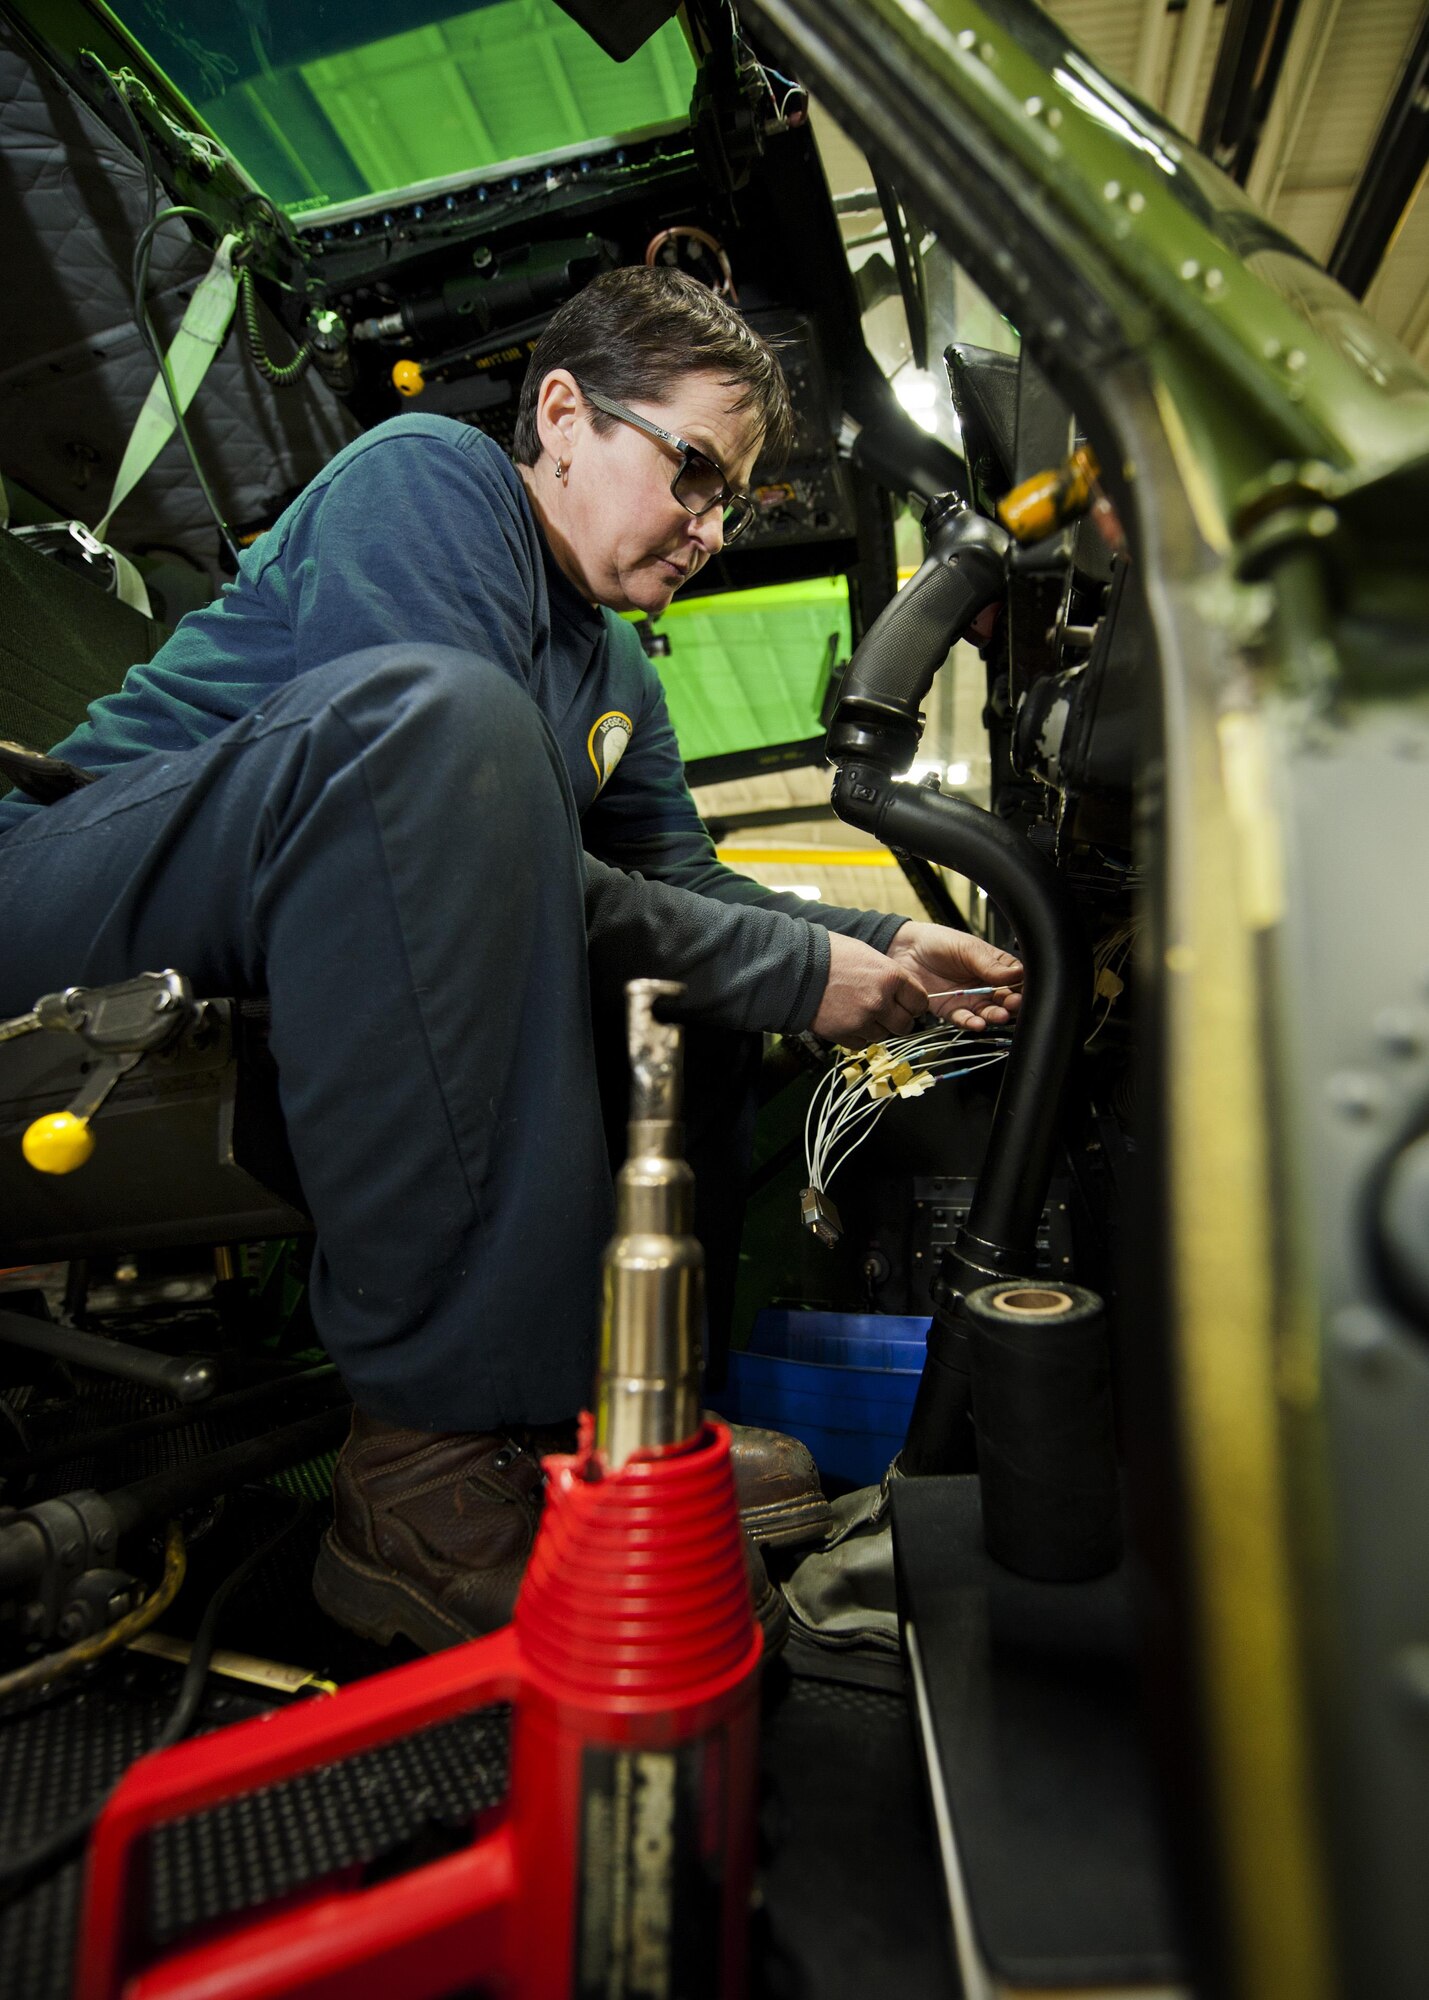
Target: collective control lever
(121,1024)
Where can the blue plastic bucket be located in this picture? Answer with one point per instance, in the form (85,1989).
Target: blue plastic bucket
(843,1383)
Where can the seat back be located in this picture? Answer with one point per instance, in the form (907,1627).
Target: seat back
(191,1146)
(63,642)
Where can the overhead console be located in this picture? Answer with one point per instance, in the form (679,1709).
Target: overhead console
(436,301)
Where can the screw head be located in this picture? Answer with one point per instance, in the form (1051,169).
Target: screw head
(1363,1337)
(1355,1095)
(1398,1031)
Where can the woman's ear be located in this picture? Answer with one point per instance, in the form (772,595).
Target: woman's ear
(559,403)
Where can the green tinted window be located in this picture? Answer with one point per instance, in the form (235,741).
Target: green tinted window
(335,99)
(748,668)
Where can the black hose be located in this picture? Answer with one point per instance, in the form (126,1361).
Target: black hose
(185,1486)
(1000,1235)
(104,1445)
(874,732)
(282,374)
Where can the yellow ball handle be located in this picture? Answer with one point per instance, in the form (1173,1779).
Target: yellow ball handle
(407,378)
(57,1144)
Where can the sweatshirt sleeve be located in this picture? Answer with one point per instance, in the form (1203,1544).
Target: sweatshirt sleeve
(409,534)
(423,537)
(743,966)
(646,821)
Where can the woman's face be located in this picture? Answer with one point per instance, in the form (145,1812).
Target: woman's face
(614,526)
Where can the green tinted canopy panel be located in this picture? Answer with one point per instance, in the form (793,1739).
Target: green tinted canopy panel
(748,669)
(334,100)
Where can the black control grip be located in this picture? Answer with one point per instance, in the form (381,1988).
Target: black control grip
(893,667)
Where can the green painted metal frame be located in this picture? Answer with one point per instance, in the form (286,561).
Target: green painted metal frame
(1276,495)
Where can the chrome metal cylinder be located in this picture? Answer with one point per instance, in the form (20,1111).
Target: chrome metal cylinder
(648,1388)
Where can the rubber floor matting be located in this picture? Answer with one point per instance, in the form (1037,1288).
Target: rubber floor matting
(851,1899)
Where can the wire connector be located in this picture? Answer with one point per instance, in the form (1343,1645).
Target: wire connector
(819,1216)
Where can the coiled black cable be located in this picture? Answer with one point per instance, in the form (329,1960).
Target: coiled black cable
(282,374)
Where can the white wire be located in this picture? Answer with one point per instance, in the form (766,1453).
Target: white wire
(876,1111)
(834,1116)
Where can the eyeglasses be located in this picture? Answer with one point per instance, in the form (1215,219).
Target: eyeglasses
(699,484)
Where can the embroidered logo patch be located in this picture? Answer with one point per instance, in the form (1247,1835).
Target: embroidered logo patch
(609,736)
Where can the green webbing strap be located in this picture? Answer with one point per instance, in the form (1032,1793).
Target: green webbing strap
(205,326)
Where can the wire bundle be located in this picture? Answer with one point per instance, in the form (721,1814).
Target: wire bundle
(1109,966)
(848,1102)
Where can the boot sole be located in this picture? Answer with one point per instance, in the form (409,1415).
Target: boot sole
(377,1604)
(788,1524)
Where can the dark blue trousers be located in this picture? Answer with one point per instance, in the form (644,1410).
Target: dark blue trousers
(389,850)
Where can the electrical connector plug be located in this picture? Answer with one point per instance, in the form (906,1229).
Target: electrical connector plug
(818,1214)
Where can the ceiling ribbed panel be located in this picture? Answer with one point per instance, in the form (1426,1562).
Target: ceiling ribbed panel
(1361,66)
(1167,60)
(1342,66)
(1108,29)
(1193,43)
(1399,297)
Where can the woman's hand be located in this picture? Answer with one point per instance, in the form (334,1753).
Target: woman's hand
(872,993)
(867,995)
(938,959)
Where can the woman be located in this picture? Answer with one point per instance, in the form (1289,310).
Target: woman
(413,778)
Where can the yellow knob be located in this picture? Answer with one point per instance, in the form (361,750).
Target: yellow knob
(407,378)
(1049,500)
(57,1144)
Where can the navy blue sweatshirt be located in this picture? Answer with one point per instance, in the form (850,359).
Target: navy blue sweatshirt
(422,530)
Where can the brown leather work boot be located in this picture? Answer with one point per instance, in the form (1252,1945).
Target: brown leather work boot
(781,1502)
(431,1532)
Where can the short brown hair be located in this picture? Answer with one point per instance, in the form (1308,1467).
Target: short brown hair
(633,332)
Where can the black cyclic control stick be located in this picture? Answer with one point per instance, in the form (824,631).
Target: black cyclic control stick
(874,734)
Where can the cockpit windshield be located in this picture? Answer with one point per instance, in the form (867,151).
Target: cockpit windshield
(336,100)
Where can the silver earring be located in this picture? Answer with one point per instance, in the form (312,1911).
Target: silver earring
(561,470)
